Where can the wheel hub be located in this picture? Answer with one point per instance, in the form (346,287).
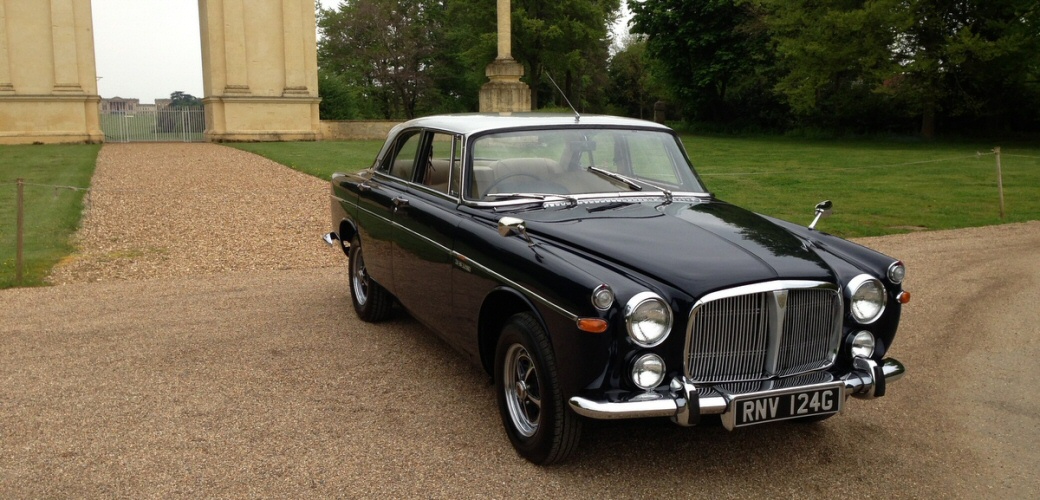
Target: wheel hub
(521,390)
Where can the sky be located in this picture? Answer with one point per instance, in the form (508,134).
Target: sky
(148,49)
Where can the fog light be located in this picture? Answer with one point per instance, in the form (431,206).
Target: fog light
(862,344)
(648,371)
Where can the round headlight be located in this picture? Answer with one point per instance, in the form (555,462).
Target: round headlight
(862,344)
(868,299)
(602,297)
(648,319)
(896,272)
(648,371)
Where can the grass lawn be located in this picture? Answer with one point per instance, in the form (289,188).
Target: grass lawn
(319,159)
(51,214)
(878,187)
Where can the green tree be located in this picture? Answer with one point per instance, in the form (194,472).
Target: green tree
(570,39)
(633,88)
(179,100)
(713,54)
(970,60)
(185,111)
(833,57)
(871,62)
(338,98)
(385,48)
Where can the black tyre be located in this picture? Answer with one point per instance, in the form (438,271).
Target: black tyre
(536,419)
(371,301)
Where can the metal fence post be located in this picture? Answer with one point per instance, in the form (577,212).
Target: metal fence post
(20,202)
(1000,182)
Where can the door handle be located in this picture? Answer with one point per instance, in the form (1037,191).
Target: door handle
(364,187)
(400,202)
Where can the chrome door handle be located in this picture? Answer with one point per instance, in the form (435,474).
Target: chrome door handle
(400,202)
(364,188)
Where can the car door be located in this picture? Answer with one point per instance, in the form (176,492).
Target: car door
(378,201)
(425,223)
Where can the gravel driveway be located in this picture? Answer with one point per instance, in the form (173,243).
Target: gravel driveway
(203,345)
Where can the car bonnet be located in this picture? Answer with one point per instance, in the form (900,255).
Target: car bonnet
(696,247)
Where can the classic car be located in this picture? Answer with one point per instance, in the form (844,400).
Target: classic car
(581,261)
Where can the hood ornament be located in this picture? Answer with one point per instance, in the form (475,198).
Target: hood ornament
(823,209)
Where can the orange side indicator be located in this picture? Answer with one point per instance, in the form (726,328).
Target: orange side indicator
(903,297)
(592,325)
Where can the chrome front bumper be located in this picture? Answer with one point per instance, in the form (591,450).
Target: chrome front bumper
(684,403)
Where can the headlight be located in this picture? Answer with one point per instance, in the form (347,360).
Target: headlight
(862,344)
(896,272)
(868,299)
(648,319)
(648,371)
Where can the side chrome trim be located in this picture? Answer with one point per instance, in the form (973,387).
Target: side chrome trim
(526,291)
(474,264)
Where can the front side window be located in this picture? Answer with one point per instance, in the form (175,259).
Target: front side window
(441,171)
(558,161)
(402,163)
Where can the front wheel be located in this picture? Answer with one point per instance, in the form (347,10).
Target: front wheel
(371,302)
(540,426)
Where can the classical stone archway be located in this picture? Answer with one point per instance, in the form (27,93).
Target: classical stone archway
(259,64)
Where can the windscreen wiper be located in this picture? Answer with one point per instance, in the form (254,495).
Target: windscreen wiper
(615,176)
(636,185)
(533,196)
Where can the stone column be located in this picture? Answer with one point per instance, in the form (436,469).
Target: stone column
(48,86)
(505,92)
(260,76)
(5,64)
(63,34)
(293,45)
(235,67)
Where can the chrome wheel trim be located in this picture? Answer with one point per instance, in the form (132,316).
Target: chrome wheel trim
(359,281)
(523,397)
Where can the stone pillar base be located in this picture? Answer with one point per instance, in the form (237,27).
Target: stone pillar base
(49,119)
(261,119)
(505,92)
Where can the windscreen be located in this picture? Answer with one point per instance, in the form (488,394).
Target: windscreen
(579,161)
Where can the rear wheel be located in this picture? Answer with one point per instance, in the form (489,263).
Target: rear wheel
(536,419)
(371,301)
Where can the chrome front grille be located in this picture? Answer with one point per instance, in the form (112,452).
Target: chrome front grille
(761,331)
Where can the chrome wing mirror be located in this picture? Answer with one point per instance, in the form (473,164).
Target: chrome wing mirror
(508,226)
(823,210)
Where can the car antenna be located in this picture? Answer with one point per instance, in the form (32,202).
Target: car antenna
(577,116)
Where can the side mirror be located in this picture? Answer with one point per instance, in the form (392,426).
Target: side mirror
(823,209)
(508,226)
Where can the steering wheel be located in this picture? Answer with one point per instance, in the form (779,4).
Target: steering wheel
(510,176)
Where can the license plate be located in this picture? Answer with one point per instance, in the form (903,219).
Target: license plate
(779,405)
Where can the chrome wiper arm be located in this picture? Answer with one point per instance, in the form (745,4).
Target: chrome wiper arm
(533,196)
(615,176)
(510,196)
(635,184)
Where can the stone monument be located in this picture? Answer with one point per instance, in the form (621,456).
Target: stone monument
(259,66)
(505,92)
(48,84)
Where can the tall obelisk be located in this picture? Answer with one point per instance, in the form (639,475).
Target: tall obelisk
(505,92)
